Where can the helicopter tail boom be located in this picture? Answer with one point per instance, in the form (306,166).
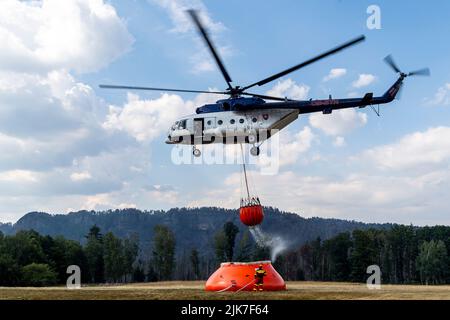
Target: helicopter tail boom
(326,106)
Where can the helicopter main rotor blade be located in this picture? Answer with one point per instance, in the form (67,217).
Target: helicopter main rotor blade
(262,96)
(307,62)
(210,45)
(107,86)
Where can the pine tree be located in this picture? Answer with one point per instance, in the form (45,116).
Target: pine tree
(130,252)
(245,248)
(230,230)
(114,258)
(219,246)
(195,263)
(338,254)
(432,262)
(163,253)
(94,254)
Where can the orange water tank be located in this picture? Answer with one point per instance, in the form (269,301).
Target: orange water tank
(240,276)
(251,215)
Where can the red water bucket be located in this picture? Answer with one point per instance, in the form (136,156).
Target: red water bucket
(251,215)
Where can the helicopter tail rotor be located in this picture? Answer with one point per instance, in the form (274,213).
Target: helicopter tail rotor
(421,72)
(390,61)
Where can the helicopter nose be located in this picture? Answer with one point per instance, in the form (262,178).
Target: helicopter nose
(169,140)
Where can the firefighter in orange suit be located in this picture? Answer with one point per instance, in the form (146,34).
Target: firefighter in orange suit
(260,273)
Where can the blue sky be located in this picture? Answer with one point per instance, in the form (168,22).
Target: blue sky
(70,145)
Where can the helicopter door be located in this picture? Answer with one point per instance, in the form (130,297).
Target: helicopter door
(199,126)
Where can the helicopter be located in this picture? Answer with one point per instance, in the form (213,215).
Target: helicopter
(246,117)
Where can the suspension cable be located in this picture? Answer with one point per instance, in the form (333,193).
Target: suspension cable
(245,171)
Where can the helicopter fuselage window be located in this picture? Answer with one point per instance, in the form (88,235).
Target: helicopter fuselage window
(219,122)
(254,119)
(241,120)
(232,121)
(209,122)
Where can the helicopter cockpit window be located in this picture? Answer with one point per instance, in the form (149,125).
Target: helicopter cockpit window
(182,124)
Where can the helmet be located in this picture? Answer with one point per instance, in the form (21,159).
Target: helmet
(260,265)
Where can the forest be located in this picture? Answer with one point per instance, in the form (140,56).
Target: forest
(405,254)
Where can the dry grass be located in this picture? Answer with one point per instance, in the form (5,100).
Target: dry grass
(181,290)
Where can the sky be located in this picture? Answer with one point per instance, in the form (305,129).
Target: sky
(67,145)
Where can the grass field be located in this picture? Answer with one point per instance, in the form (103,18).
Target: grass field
(194,290)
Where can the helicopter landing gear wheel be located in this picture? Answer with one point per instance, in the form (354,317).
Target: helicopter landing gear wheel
(196,152)
(251,138)
(254,151)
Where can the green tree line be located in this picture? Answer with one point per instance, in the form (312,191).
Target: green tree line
(405,254)
(30,259)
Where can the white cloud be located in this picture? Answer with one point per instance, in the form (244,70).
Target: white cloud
(293,145)
(340,122)
(335,73)
(16,176)
(360,196)
(147,119)
(363,80)
(56,152)
(201,59)
(339,141)
(180,19)
(418,150)
(51,136)
(283,149)
(442,96)
(207,98)
(45,104)
(52,166)
(130,196)
(80,35)
(125,205)
(168,197)
(80,176)
(288,88)
(108,172)
(353,94)
(100,201)
(47,121)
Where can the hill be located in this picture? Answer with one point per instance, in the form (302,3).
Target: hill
(193,227)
